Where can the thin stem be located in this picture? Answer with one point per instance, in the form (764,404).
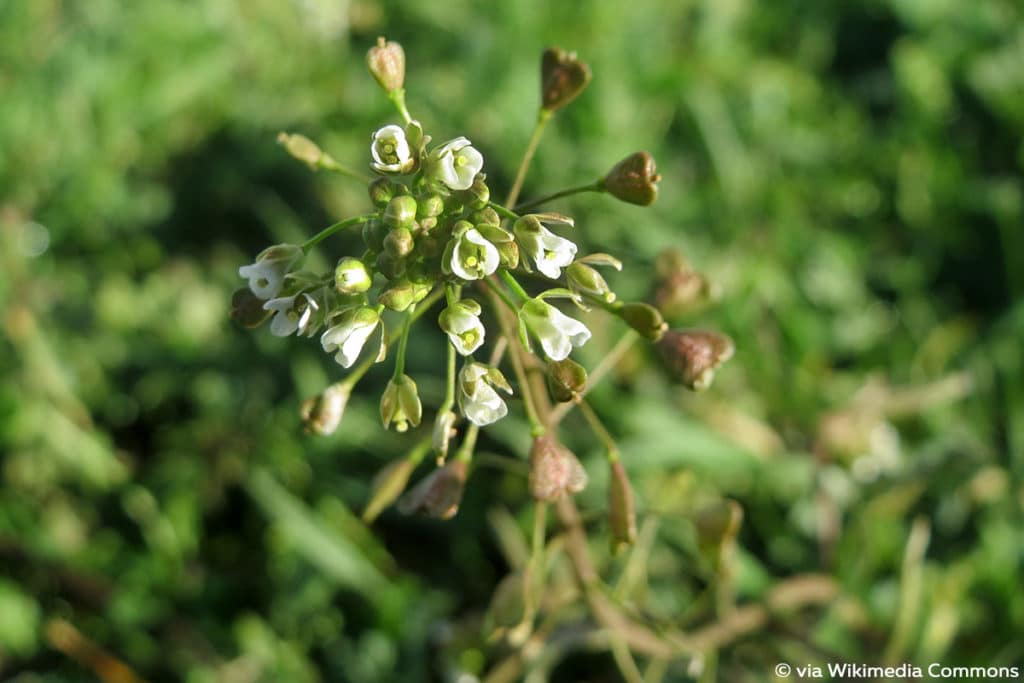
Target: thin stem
(465,452)
(514,285)
(589,187)
(331,229)
(495,289)
(397,96)
(603,368)
(403,341)
(449,391)
(600,431)
(501,210)
(328,163)
(425,305)
(531,147)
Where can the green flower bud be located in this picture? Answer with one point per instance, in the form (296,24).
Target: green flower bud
(643,318)
(322,414)
(634,179)
(301,148)
(399,242)
(478,194)
(621,509)
(562,78)
(247,309)
(386,62)
(508,255)
(391,267)
(400,404)
(692,356)
(440,493)
(351,276)
(400,212)
(566,379)
(399,296)
(374,232)
(486,216)
(387,486)
(554,470)
(381,192)
(586,281)
(430,206)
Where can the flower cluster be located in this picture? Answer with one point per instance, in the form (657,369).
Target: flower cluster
(435,237)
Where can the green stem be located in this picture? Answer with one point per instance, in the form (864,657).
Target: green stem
(403,341)
(449,392)
(502,211)
(465,452)
(600,431)
(514,285)
(328,163)
(531,147)
(425,305)
(493,287)
(397,96)
(331,229)
(590,187)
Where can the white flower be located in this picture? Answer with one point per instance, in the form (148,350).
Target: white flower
(461,323)
(390,151)
(292,313)
(478,400)
(550,252)
(456,163)
(556,332)
(266,274)
(473,257)
(350,334)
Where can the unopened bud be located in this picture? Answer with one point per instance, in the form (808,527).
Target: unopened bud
(508,253)
(399,242)
(400,212)
(381,191)
(621,509)
(440,493)
(586,281)
(400,404)
(486,216)
(399,296)
(444,430)
(374,232)
(643,318)
(692,356)
(247,309)
(391,267)
(554,470)
(478,194)
(566,379)
(351,276)
(562,78)
(387,486)
(301,147)
(386,61)
(430,206)
(718,525)
(634,179)
(322,414)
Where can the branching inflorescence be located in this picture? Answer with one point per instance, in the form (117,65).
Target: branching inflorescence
(435,235)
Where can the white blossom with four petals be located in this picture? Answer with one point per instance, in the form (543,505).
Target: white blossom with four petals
(266,274)
(349,336)
(292,313)
(556,332)
(456,163)
(461,322)
(478,400)
(473,256)
(550,252)
(390,151)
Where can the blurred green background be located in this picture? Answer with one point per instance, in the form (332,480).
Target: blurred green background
(848,174)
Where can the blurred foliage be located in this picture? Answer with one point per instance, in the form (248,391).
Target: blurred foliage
(848,174)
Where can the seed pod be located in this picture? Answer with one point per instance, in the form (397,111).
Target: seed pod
(621,509)
(386,62)
(387,486)
(692,356)
(322,414)
(247,309)
(566,379)
(554,470)
(301,148)
(634,180)
(562,76)
(440,493)
(643,318)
